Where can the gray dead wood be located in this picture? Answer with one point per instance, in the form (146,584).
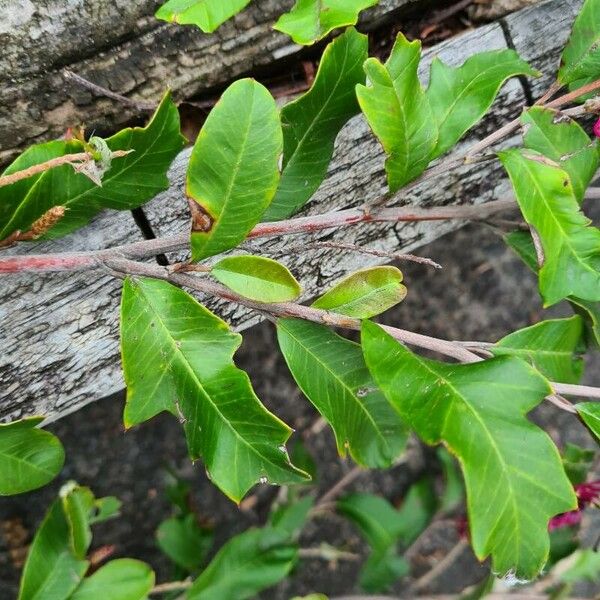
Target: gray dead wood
(58,333)
(119,45)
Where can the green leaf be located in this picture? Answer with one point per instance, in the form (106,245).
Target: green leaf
(553,347)
(513,474)
(177,357)
(206,14)
(590,415)
(312,122)
(257,278)
(571,246)
(290,518)
(233,171)
(311,20)
(460,97)
(184,541)
(584,565)
(78,503)
(51,570)
(578,462)
(29,457)
(580,60)
(381,570)
(564,141)
(248,563)
(365,293)
(454,489)
(120,579)
(131,180)
(105,509)
(522,244)
(398,112)
(332,374)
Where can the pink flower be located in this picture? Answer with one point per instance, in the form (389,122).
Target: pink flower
(587,493)
(597,128)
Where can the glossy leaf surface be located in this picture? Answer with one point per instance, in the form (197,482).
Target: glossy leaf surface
(514,477)
(312,20)
(257,278)
(130,181)
(553,347)
(206,14)
(580,60)
(247,564)
(460,97)
(177,357)
(51,569)
(312,122)
(570,244)
(29,457)
(365,293)
(120,579)
(332,374)
(233,171)
(398,112)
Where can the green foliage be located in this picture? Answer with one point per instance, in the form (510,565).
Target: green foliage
(233,171)
(580,60)
(78,503)
(553,347)
(577,462)
(290,518)
(312,122)
(398,112)
(584,565)
(454,490)
(571,246)
(208,15)
(311,20)
(29,457)
(184,541)
(177,357)
(247,564)
(590,415)
(459,97)
(130,181)
(120,579)
(257,278)
(512,470)
(332,374)
(564,141)
(365,293)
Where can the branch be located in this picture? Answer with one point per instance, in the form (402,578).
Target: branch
(79,158)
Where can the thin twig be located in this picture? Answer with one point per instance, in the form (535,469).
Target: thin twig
(440,566)
(171,586)
(53,163)
(340,486)
(139,105)
(328,553)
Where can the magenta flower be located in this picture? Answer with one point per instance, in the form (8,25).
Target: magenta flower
(597,128)
(587,493)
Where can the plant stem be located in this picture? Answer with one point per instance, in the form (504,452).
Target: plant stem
(171,586)
(79,157)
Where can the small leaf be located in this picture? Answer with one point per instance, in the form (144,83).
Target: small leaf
(571,246)
(290,518)
(578,462)
(454,489)
(522,244)
(398,112)
(590,415)
(184,541)
(580,60)
(120,579)
(365,293)
(233,171)
(564,141)
(332,374)
(311,20)
(247,564)
(514,477)
(257,278)
(553,347)
(131,180)
(29,457)
(381,570)
(178,357)
(460,97)
(206,14)
(78,503)
(312,122)
(51,569)
(105,509)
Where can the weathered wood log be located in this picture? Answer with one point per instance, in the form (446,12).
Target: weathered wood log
(122,47)
(58,332)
